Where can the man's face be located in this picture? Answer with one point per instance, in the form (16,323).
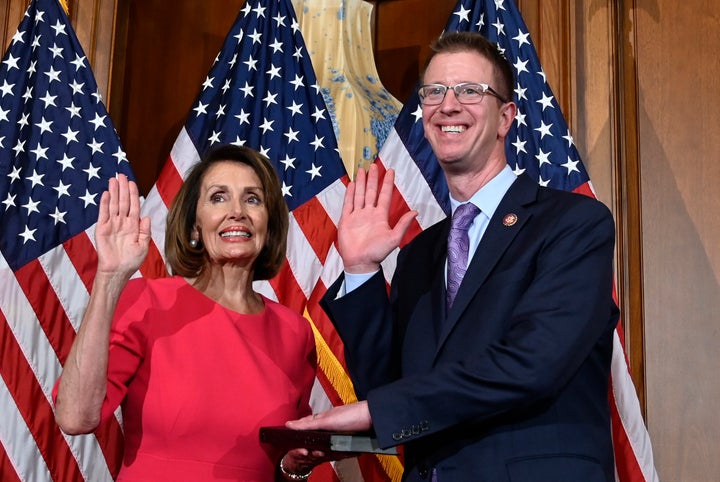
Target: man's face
(464,136)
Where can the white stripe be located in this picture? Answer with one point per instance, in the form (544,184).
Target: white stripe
(410,182)
(184,154)
(628,407)
(303,261)
(18,442)
(66,282)
(42,360)
(331,198)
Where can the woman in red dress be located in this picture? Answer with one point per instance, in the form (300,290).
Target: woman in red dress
(199,361)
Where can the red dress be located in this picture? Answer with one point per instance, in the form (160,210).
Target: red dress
(197,381)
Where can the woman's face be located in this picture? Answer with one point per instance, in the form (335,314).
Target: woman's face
(231,216)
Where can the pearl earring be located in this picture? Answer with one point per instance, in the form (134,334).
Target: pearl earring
(193,243)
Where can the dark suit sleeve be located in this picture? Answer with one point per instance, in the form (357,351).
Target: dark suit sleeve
(362,319)
(535,339)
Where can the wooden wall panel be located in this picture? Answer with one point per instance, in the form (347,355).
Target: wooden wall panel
(674,50)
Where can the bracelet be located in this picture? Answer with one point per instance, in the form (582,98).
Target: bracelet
(291,475)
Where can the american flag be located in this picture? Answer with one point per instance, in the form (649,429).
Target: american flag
(58,148)
(539,144)
(262,92)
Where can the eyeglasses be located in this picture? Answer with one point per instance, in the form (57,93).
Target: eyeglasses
(465,93)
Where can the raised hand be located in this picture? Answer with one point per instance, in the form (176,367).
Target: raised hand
(365,237)
(122,238)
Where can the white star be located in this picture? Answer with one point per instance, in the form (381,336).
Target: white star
(28,234)
(66,162)
(244,117)
(256,37)
(542,74)
(88,198)
(520,118)
(499,5)
(519,146)
(292,135)
(295,25)
(298,53)
(543,182)
(276,46)
(40,152)
(238,141)
(44,126)
(288,162)
(298,82)
(546,101)
(518,170)
(314,171)
(221,111)
(542,157)
(201,108)
(521,66)
(56,51)
(273,72)
(36,42)
(286,189)
(59,28)
(53,75)
(481,22)
(4,114)
(98,121)
(251,63)
(266,125)
(31,206)
(92,172)
(6,88)
(15,174)
(569,138)
(259,11)
(208,83)
(19,147)
(98,97)
(49,100)
(232,61)
(33,67)
(95,146)
(499,26)
(295,108)
(12,62)
(247,90)
(520,92)
(62,189)
(225,86)
(18,37)
(74,111)
(36,178)
(9,201)
(544,129)
(418,113)
(2,139)
(265,151)
(28,93)
(269,99)
(571,165)
(522,38)
(318,114)
(58,216)
(280,21)
(77,88)
(78,62)
(318,142)
(120,155)
(462,14)
(214,137)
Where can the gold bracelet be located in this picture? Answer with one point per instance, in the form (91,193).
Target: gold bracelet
(291,475)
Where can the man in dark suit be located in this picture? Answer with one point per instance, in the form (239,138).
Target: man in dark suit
(508,381)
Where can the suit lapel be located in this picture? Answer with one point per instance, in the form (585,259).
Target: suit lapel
(510,216)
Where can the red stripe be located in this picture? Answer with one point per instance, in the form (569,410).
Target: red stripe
(169,182)
(584,188)
(83,256)
(287,289)
(324,325)
(34,408)
(316,225)
(329,389)
(7,471)
(626,464)
(154,265)
(60,333)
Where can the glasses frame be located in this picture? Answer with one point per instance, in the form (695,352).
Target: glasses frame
(483,88)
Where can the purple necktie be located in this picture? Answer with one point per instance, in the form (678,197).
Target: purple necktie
(458,248)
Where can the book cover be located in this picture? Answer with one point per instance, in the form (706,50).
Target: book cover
(324,440)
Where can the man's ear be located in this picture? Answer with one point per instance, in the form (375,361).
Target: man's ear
(507,116)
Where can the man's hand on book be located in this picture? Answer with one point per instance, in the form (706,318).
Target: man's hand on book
(353,417)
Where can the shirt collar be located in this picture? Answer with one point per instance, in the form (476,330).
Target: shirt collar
(488,197)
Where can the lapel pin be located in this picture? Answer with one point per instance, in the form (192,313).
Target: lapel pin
(510,219)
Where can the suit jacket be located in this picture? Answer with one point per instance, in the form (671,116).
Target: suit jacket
(512,383)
